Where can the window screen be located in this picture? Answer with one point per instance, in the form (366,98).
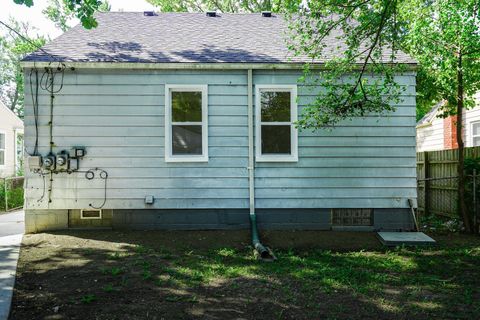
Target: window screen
(186,123)
(276,115)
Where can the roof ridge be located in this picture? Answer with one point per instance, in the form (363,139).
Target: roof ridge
(200,12)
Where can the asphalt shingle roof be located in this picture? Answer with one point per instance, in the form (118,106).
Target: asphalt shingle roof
(181,38)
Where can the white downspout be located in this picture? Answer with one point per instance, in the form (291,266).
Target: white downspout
(251,160)
(264,253)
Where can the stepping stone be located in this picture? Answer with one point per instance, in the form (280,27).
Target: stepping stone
(392,239)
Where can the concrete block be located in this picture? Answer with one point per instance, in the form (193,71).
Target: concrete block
(39,220)
(391,219)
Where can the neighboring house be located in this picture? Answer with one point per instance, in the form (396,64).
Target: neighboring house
(11,141)
(192,118)
(437,133)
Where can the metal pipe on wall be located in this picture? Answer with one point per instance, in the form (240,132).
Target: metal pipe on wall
(263,252)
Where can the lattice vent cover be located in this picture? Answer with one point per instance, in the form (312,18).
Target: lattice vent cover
(352,217)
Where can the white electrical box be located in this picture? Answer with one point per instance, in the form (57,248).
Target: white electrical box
(77,152)
(34,162)
(149,199)
(72,164)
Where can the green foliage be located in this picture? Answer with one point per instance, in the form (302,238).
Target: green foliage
(88,298)
(63,15)
(12,49)
(231,6)
(108,288)
(28,3)
(359,78)
(81,9)
(14,195)
(453,43)
(439,224)
(435,32)
(472,163)
(427,92)
(114,271)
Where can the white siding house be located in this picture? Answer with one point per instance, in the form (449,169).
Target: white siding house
(436,133)
(182,130)
(11,132)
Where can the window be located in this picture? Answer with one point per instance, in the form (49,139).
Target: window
(475,134)
(276,112)
(186,130)
(91,214)
(2,149)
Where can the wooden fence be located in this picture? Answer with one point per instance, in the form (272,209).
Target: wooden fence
(437,180)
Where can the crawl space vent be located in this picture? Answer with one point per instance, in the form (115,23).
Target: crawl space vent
(91,214)
(352,217)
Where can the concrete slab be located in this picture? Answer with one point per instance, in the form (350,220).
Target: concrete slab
(12,223)
(9,252)
(392,239)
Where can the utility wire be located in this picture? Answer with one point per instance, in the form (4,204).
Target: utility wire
(27,40)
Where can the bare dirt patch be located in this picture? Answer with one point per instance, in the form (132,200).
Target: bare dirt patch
(213,275)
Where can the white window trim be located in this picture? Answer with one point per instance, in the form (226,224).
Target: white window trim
(17,133)
(169,157)
(4,149)
(472,136)
(91,218)
(293,157)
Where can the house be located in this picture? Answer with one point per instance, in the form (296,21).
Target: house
(11,140)
(187,121)
(437,133)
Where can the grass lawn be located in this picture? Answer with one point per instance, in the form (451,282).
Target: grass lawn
(213,275)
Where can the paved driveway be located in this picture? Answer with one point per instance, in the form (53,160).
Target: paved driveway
(11,232)
(12,223)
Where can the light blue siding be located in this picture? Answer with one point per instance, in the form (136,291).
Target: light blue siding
(368,162)
(119,117)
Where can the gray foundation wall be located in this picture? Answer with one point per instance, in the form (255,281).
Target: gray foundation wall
(45,220)
(212,219)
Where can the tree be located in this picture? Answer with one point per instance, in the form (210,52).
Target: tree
(12,49)
(63,16)
(451,55)
(82,9)
(227,6)
(443,35)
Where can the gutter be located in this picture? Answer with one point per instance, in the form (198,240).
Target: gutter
(263,252)
(187,65)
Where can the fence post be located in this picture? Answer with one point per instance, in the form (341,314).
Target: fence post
(426,175)
(6,195)
(474,199)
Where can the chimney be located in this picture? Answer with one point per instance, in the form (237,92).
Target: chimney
(450,133)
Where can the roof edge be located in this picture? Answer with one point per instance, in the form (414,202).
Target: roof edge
(3,105)
(179,65)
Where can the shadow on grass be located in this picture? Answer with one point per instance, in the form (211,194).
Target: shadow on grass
(135,275)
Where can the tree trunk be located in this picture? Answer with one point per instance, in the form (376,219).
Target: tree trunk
(461,163)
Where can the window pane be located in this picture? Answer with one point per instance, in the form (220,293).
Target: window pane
(2,157)
(2,141)
(275,106)
(476,129)
(476,141)
(186,106)
(276,139)
(186,140)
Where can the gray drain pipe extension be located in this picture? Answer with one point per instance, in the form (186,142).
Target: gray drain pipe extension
(410,203)
(264,253)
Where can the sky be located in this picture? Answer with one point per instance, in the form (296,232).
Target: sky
(35,17)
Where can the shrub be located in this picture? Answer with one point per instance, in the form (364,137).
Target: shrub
(14,194)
